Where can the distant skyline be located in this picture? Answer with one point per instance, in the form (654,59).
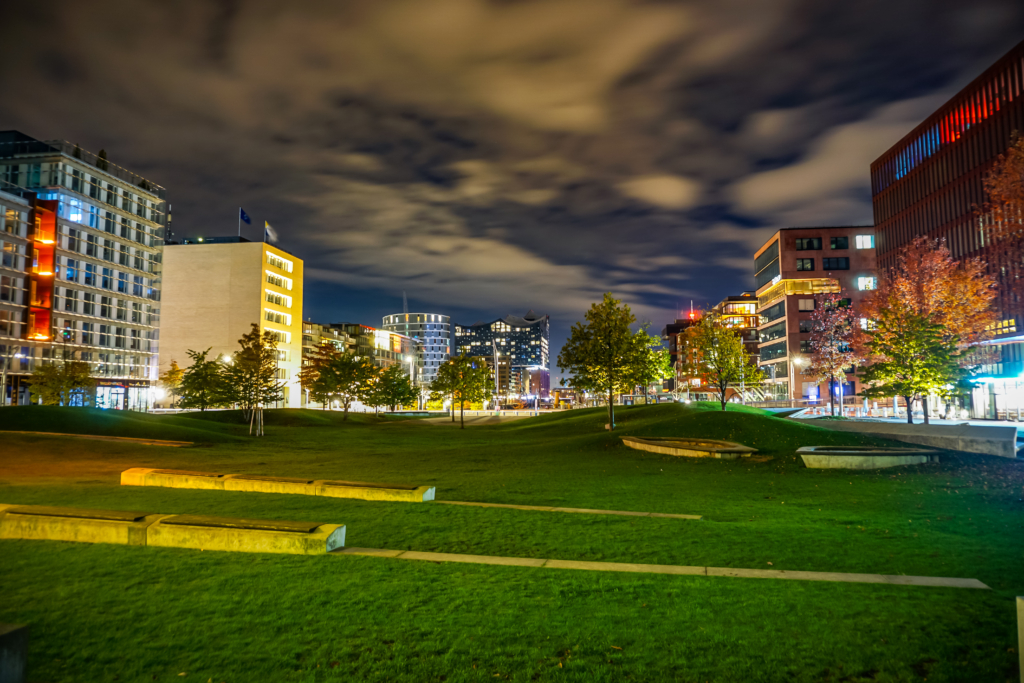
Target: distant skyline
(495,157)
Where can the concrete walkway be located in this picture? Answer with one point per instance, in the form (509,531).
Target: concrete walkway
(891,579)
(990,439)
(127,439)
(542,508)
(472,421)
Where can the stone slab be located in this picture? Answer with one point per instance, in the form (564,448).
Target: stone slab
(13,652)
(689,448)
(369,552)
(545,508)
(626,567)
(321,540)
(237,523)
(987,440)
(370,485)
(420,494)
(39,523)
(817,461)
(255,484)
(82,513)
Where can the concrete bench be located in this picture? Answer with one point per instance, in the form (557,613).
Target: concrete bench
(254,483)
(863,457)
(689,448)
(1000,440)
(38,522)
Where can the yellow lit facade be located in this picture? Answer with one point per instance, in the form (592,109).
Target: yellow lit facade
(215,290)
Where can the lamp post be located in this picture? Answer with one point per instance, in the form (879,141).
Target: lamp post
(797,362)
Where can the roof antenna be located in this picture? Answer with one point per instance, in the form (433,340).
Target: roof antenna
(405,303)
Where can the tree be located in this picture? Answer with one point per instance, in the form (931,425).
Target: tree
(315,378)
(833,325)
(954,301)
(599,351)
(393,388)
(911,357)
(649,363)
(716,354)
(61,383)
(171,380)
(250,380)
(443,385)
(471,381)
(101,160)
(202,383)
(1001,217)
(350,378)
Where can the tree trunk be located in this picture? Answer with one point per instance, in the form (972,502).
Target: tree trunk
(453,407)
(721,395)
(924,408)
(345,408)
(462,414)
(910,410)
(611,406)
(831,396)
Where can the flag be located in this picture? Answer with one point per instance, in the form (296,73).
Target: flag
(243,216)
(269,234)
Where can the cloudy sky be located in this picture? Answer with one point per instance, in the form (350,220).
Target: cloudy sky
(489,157)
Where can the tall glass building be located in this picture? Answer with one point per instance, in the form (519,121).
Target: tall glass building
(516,348)
(82,240)
(432,331)
(932,181)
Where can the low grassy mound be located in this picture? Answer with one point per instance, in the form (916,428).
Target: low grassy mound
(126,423)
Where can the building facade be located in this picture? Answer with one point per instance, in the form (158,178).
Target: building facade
(384,348)
(931,182)
(81,270)
(793,266)
(521,343)
(216,288)
(433,334)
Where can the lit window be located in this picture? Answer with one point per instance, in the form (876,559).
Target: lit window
(805,305)
(805,264)
(865,241)
(866,283)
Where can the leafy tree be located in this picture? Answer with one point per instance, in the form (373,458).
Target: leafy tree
(393,388)
(833,325)
(250,380)
(716,354)
(315,377)
(60,383)
(465,379)
(171,380)
(1001,218)
(350,378)
(649,363)
(911,356)
(599,352)
(202,383)
(443,385)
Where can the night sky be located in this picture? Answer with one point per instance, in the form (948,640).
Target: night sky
(492,157)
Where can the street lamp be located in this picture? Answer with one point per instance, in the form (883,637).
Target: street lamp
(797,362)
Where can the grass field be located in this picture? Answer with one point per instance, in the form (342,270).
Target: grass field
(141,614)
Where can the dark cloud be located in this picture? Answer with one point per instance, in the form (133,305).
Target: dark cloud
(491,157)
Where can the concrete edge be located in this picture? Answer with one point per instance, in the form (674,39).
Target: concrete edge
(545,508)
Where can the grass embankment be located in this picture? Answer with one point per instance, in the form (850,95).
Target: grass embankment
(136,613)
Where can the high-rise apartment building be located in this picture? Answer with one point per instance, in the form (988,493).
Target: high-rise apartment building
(931,183)
(384,348)
(216,288)
(793,266)
(521,342)
(433,334)
(81,272)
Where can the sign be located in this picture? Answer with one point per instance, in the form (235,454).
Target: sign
(123,383)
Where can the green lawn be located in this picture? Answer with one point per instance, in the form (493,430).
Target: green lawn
(134,614)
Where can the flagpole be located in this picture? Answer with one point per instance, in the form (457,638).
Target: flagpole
(239,222)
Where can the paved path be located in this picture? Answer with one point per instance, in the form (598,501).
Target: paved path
(891,579)
(471,421)
(128,439)
(543,508)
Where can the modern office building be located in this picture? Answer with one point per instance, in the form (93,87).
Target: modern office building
(739,312)
(216,288)
(433,334)
(81,270)
(931,183)
(521,342)
(383,347)
(315,334)
(792,267)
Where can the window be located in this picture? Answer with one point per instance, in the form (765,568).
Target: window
(119,337)
(137,285)
(70,300)
(104,335)
(105,303)
(89,303)
(90,275)
(839,263)
(9,258)
(773,312)
(275,317)
(122,283)
(774,351)
(840,242)
(8,291)
(124,256)
(87,329)
(805,264)
(278,281)
(805,305)
(8,323)
(137,313)
(866,283)
(806,326)
(71,270)
(278,262)
(91,245)
(279,299)
(108,279)
(122,309)
(808,243)
(772,333)
(74,240)
(136,340)
(865,241)
(805,346)
(109,249)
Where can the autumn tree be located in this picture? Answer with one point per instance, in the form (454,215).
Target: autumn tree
(315,378)
(833,325)
(952,299)
(171,380)
(599,351)
(202,383)
(250,380)
(1001,217)
(648,362)
(443,385)
(715,353)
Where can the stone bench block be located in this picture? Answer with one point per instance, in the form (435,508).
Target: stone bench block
(258,484)
(364,491)
(13,652)
(863,458)
(44,523)
(247,536)
(179,479)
